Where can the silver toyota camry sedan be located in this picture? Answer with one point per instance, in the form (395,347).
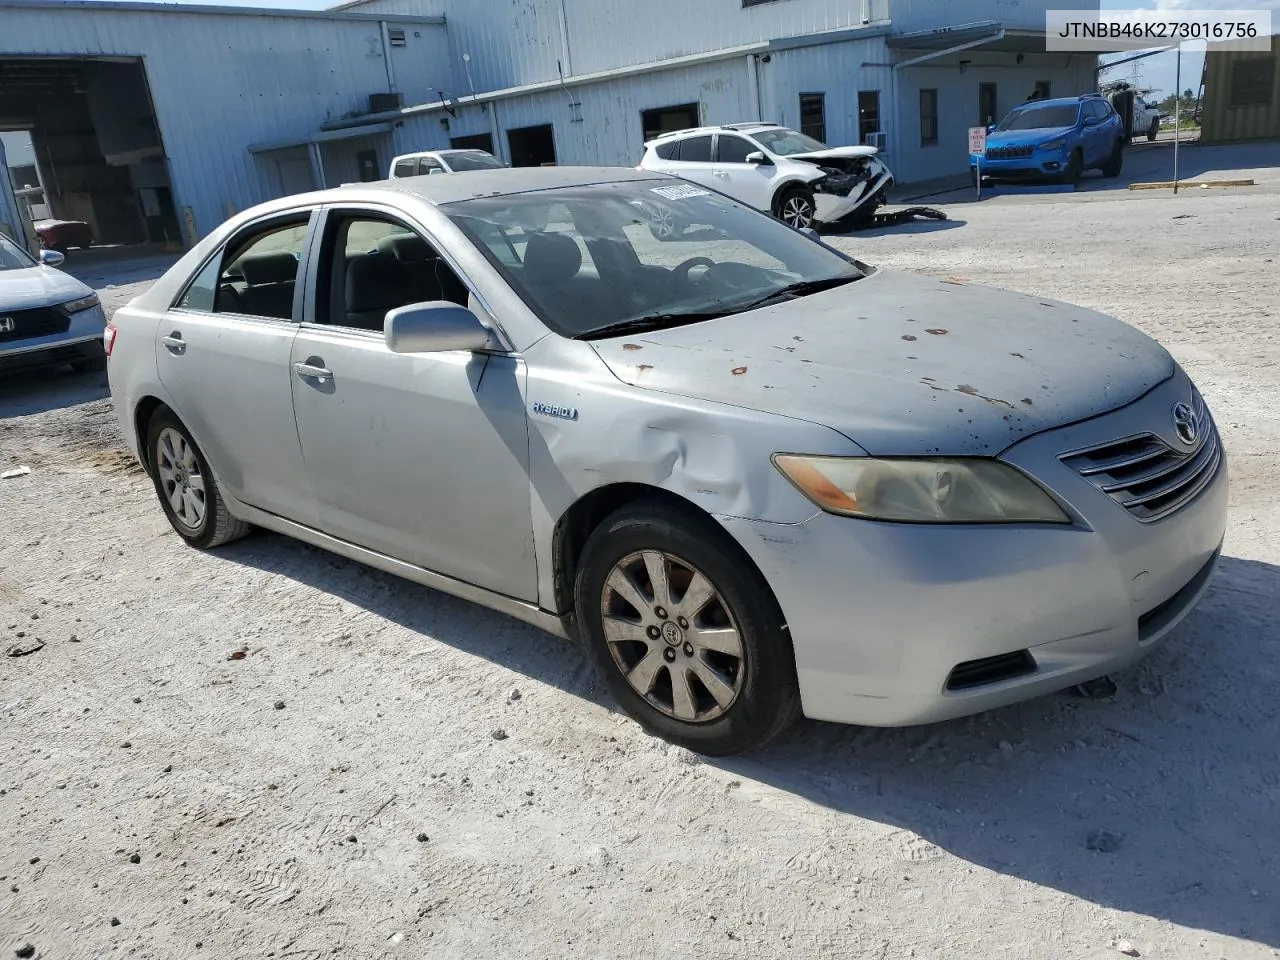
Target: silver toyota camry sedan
(756,477)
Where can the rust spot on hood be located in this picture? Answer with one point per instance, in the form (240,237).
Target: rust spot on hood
(644,367)
(801,339)
(632,346)
(907,336)
(1018,355)
(937,331)
(738,371)
(959,281)
(1027,401)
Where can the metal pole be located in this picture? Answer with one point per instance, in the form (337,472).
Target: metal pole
(1177,116)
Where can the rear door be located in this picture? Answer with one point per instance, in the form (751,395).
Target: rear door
(1097,133)
(422,457)
(223,357)
(693,162)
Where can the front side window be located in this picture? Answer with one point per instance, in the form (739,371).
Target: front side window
(1040,118)
(587,260)
(13,257)
(371,264)
(430,165)
(255,276)
(733,149)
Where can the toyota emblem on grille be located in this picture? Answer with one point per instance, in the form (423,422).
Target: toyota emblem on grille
(1185,423)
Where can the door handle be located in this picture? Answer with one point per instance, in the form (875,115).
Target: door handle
(309,371)
(174,342)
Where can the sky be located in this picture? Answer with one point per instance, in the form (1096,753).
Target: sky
(1157,71)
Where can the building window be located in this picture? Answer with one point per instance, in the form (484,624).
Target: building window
(868,113)
(813,115)
(1253,82)
(988,109)
(662,120)
(928,117)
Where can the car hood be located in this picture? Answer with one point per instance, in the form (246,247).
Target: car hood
(904,365)
(1033,134)
(859,151)
(38,287)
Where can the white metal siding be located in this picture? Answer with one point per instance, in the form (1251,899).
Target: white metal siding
(221,83)
(837,70)
(958,103)
(912,15)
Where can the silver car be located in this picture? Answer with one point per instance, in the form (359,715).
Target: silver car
(757,478)
(46,316)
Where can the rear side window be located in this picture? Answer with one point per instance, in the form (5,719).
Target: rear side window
(405,168)
(669,150)
(254,276)
(695,150)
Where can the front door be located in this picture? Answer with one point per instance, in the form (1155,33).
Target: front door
(223,357)
(752,183)
(421,457)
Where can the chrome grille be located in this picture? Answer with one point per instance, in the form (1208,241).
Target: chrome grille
(1148,477)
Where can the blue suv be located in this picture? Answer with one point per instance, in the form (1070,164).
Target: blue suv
(1057,139)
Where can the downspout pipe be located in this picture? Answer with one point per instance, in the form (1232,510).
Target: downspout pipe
(386,55)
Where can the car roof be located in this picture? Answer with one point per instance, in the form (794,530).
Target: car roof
(1059,101)
(487,183)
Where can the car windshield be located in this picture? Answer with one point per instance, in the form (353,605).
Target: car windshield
(1040,118)
(593,259)
(13,257)
(472,160)
(787,143)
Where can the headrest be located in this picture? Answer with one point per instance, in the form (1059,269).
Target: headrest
(269,268)
(375,282)
(405,247)
(550,258)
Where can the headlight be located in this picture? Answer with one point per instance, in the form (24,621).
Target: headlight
(935,490)
(1053,145)
(84,303)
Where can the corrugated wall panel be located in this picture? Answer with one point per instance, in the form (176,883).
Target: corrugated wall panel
(837,70)
(912,15)
(256,79)
(1221,121)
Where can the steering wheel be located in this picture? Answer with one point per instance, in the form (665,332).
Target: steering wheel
(682,270)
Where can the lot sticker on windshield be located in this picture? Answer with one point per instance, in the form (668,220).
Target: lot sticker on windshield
(680,192)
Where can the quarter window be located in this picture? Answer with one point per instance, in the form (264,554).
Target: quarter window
(406,168)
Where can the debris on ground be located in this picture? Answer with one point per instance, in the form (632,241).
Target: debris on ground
(1127,948)
(14,473)
(1102,841)
(909,215)
(1101,689)
(25,647)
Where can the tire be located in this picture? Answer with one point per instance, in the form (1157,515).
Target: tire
(757,695)
(795,206)
(1115,163)
(1153,131)
(94,364)
(1075,167)
(213,525)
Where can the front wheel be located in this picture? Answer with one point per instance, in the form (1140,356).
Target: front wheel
(795,207)
(684,631)
(1075,167)
(185,485)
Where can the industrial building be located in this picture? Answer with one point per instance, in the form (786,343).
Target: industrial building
(156,121)
(1241,94)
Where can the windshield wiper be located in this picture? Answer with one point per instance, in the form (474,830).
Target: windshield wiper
(798,289)
(653,321)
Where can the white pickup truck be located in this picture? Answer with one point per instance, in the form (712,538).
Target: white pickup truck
(1146,115)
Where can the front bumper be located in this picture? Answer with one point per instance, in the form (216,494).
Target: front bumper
(833,207)
(882,614)
(82,340)
(1040,163)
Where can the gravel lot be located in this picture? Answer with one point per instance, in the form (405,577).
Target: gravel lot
(387,771)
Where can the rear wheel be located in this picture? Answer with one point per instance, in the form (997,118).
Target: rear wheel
(1115,162)
(1154,130)
(185,485)
(795,206)
(684,631)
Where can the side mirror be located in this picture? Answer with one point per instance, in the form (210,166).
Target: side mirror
(758,157)
(52,258)
(435,327)
(991,128)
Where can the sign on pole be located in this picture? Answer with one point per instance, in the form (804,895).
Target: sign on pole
(978,150)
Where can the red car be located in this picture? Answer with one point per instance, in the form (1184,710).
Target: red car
(62,234)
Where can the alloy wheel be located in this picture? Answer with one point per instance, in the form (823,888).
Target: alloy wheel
(672,636)
(797,211)
(181,479)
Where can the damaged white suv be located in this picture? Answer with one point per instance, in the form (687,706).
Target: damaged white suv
(773,168)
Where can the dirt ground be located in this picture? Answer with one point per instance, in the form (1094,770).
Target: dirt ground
(391,772)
